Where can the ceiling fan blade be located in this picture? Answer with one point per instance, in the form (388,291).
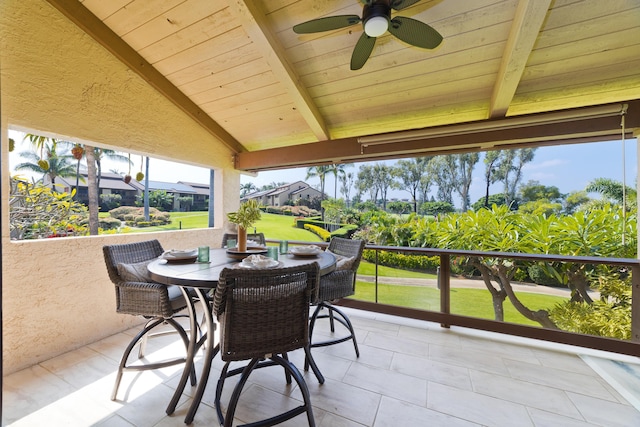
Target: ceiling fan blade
(401,4)
(327,23)
(415,32)
(362,51)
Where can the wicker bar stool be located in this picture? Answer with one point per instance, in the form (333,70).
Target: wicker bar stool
(264,314)
(138,295)
(335,285)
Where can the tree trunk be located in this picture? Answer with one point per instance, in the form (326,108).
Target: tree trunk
(540,316)
(497,295)
(77,180)
(579,284)
(93,191)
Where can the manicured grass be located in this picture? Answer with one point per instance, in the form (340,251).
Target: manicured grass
(467,302)
(369,269)
(273,226)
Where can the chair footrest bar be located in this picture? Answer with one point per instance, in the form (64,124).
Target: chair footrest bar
(155,365)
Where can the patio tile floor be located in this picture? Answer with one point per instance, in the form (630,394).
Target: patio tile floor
(410,373)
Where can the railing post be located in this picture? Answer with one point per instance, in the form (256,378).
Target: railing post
(635,303)
(444,286)
(376,278)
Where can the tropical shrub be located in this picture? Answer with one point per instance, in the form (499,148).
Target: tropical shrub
(399,207)
(610,316)
(436,208)
(36,212)
(134,216)
(109,223)
(110,201)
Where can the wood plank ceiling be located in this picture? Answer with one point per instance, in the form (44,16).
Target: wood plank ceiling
(278,98)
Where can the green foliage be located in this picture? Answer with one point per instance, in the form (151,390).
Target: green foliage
(538,275)
(574,200)
(134,216)
(109,223)
(36,211)
(185,202)
(613,191)
(436,208)
(365,206)
(403,261)
(608,317)
(540,207)
(494,199)
(247,214)
(399,207)
(158,199)
(333,210)
(345,231)
(110,201)
(532,191)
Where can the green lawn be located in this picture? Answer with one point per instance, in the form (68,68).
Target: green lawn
(466,302)
(273,226)
(369,269)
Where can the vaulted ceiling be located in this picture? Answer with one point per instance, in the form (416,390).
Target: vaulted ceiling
(277,98)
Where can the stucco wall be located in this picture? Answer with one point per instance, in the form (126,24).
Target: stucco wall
(57,80)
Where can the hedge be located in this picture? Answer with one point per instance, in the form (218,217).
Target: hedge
(406,262)
(345,231)
(319,231)
(108,223)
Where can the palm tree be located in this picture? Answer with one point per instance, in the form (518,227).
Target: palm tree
(321,173)
(614,191)
(99,154)
(338,171)
(247,188)
(40,142)
(52,165)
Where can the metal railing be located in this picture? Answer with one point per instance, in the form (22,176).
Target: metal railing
(447,319)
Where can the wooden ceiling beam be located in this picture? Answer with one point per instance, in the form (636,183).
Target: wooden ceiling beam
(577,130)
(254,22)
(529,17)
(90,24)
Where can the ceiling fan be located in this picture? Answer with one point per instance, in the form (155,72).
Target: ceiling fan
(376,20)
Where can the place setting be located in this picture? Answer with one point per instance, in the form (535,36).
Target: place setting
(179,256)
(307,251)
(258,262)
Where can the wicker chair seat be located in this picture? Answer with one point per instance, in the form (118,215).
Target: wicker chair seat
(263,315)
(159,303)
(338,284)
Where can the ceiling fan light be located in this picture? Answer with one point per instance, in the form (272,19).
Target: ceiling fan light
(376,26)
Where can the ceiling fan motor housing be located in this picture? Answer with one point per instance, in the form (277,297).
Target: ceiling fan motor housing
(376,18)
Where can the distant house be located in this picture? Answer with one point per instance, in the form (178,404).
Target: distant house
(200,197)
(283,194)
(187,196)
(176,189)
(110,183)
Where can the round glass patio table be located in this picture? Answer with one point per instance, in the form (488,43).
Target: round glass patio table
(195,280)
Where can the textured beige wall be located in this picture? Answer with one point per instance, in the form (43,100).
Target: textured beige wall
(57,80)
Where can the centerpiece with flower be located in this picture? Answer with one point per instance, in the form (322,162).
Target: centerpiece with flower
(248,213)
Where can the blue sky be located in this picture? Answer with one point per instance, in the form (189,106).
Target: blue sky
(568,167)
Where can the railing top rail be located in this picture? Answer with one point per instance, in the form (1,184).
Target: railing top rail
(510,255)
(490,254)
